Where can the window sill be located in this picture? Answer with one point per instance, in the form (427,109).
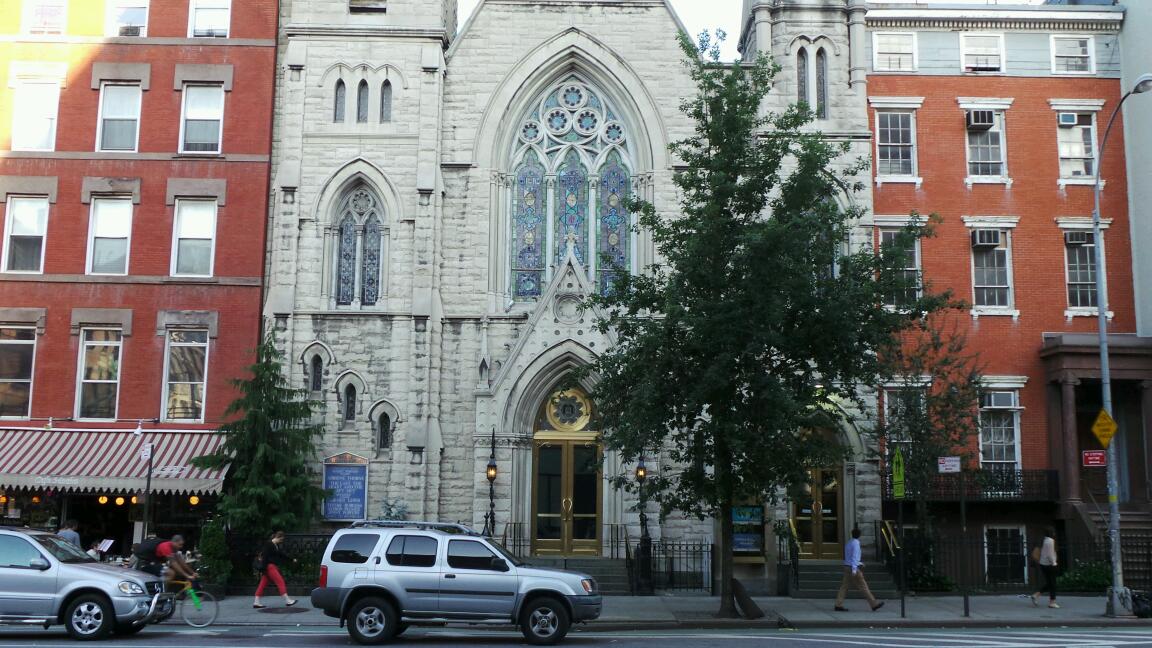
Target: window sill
(986,311)
(199,156)
(883,180)
(1086,312)
(975,180)
(1083,182)
(22,272)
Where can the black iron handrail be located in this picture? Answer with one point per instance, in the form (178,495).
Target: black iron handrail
(984,485)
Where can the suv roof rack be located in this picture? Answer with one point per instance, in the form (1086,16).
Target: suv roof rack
(446,527)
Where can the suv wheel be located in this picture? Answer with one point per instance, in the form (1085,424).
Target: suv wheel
(89,617)
(372,621)
(544,621)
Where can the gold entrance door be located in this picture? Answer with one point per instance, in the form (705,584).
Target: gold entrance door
(816,511)
(567,490)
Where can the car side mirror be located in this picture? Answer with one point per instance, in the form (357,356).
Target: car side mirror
(498,564)
(39,563)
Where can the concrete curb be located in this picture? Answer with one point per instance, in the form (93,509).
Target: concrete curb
(1102,622)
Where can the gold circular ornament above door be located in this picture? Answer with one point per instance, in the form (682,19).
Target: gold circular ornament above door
(569,410)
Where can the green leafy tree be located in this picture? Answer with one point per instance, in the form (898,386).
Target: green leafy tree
(271,448)
(758,326)
(214,553)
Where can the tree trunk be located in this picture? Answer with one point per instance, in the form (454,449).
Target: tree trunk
(727,598)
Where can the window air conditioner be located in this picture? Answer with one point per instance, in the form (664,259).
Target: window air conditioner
(1078,238)
(987,238)
(981,120)
(1067,119)
(130,30)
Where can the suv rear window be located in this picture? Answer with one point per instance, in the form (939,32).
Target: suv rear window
(412,551)
(354,548)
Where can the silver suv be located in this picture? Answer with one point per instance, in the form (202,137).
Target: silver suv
(379,578)
(45,580)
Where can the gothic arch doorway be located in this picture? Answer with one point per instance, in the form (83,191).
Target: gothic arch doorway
(567,477)
(818,511)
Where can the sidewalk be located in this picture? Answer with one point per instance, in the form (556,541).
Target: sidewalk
(697,612)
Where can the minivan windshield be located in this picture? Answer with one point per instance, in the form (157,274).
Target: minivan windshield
(62,550)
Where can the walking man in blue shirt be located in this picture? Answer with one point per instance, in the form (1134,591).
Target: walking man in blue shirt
(854,575)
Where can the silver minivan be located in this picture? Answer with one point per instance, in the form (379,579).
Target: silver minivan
(45,580)
(380,578)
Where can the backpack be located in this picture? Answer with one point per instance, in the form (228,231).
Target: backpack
(146,550)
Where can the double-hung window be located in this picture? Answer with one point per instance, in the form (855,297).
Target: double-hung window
(25,231)
(1076,137)
(194,238)
(894,52)
(119,117)
(202,125)
(45,16)
(991,268)
(209,18)
(17,359)
(911,270)
(999,430)
(895,143)
(99,383)
(986,152)
(1080,258)
(185,374)
(127,18)
(1073,55)
(109,234)
(982,52)
(35,103)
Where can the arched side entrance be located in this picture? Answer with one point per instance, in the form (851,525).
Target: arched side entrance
(567,477)
(818,514)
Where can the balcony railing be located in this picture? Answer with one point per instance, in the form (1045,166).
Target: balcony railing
(992,485)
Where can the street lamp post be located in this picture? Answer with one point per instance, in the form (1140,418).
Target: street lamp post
(644,552)
(490,473)
(1119,601)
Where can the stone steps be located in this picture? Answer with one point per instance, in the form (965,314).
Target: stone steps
(820,579)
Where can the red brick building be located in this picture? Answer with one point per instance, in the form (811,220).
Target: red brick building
(992,119)
(134,148)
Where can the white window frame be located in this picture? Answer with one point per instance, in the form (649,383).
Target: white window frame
(964,36)
(26,18)
(1000,107)
(1016,425)
(1082,223)
(92,234)
(168,344)
(32,377)
(184,118)
(176,236)
(914,176)
(916,261)
(1023,542)
(1091,53)
(1006,224)
(16,86)
(1090,179)
(112,27)
(1080,106)
(100,116)
(80,370)
(897,104)
(876,51)
(7,243)
(194,5)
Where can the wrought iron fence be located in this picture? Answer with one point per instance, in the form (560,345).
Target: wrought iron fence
(306,550)
(986,486)
(683,566)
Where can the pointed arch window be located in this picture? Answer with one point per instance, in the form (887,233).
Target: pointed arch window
(360,249)
(316,374)
(339,102)
(569,184)
(386,102)
(821,84)
(362,102)
(349,412)
(802,76)
(384,432)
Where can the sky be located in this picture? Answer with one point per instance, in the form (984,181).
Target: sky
(699,15)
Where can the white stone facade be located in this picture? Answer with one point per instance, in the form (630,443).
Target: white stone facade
(445,347)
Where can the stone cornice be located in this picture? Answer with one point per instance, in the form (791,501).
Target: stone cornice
(997,19)
(362,31)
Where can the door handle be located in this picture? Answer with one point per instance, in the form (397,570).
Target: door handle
(566,503)
(449,575)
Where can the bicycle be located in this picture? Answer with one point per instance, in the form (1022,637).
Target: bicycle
(197,607)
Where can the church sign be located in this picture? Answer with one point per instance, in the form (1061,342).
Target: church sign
(346,480)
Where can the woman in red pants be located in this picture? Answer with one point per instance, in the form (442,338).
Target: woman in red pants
(273,556)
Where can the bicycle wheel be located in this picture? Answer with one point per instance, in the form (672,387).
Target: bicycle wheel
(199,609)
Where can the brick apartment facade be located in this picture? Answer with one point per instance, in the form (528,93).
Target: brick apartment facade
(134,147)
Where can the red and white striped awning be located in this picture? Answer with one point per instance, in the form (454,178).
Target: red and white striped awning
(86,460)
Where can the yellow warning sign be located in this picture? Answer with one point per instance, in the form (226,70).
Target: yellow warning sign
(1104,428)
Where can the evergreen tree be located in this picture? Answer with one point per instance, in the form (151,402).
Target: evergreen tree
(757,326)
(271,448)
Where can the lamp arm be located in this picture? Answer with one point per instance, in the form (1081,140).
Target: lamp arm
(1104,141)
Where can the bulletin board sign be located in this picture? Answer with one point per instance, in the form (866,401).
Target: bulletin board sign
(748,530)
(346,480)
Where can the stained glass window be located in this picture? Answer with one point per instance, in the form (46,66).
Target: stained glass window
(571,207)
(362,103)
(316,374)
(613,238)
(338,103)
(821,84)
(346,261)
(370,268)
(350,403)
(530,228)
(802,76)
(569,133)
(385,102)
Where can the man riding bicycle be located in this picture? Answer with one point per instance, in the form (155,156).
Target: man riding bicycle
(155,554)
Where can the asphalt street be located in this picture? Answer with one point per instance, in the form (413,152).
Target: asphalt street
(174,636)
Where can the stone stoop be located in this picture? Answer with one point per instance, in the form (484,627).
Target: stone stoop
(820,579)
(611,574)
